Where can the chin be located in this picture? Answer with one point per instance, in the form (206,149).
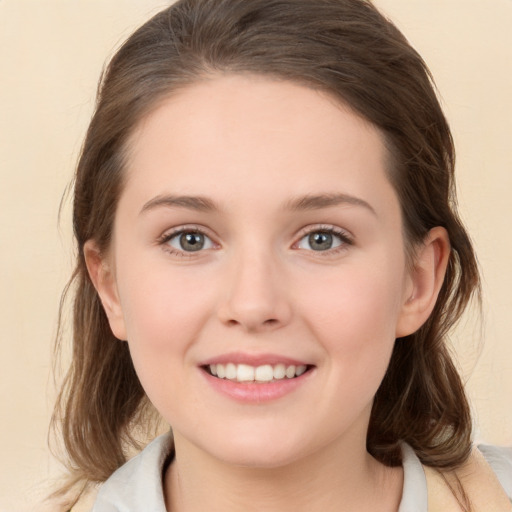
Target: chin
(254,451)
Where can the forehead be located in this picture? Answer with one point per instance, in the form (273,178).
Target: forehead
(256,134)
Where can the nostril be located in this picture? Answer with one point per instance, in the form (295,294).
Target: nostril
(266,324)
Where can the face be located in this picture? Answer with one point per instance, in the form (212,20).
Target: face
(257,268)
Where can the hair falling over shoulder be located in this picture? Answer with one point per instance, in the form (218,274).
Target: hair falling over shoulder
(343,47)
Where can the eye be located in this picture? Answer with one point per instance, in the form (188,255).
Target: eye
(189,241)
(323,240)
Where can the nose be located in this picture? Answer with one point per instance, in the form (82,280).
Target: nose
(255,297)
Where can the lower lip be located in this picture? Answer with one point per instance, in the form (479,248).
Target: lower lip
(256,392)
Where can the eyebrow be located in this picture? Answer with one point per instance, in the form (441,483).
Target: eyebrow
(319,201)
(301,203)
(197,203)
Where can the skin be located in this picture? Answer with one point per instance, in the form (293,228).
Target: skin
(253,146)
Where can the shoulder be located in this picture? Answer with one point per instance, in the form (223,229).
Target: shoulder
(137,485)
(500,460)
(485,479)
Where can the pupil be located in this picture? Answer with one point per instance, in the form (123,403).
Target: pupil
(320,241)
(192,241)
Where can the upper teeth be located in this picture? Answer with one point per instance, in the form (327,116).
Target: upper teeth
(264,373)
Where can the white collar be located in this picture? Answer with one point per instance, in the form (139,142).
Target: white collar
(137,485)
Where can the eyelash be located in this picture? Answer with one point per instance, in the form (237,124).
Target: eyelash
(343,236)
(168,236)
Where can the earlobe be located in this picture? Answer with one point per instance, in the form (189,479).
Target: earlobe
(424,281)
(103,278)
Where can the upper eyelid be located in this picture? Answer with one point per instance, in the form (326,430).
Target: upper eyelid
(325,227)
(172,232)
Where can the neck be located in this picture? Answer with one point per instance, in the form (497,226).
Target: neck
(341,478)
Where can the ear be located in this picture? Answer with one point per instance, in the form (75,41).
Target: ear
(424,281)
(103,278)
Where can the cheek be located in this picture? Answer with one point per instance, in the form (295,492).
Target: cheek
(164,316)
(360,301)
(354,317)
(164,312)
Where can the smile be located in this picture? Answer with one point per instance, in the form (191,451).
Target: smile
(262,373)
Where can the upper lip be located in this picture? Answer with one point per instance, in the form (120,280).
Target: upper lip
(253,359)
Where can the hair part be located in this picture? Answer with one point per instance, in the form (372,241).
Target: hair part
(349,50)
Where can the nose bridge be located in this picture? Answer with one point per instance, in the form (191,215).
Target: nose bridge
(256,297)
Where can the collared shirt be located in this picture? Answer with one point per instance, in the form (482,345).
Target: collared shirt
(137,485)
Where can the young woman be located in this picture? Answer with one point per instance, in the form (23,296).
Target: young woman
(269,257)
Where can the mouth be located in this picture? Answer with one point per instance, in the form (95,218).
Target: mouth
(265,373)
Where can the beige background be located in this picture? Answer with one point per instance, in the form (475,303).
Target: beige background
(51,54)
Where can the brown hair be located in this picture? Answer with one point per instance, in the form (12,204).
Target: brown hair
(348,49)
